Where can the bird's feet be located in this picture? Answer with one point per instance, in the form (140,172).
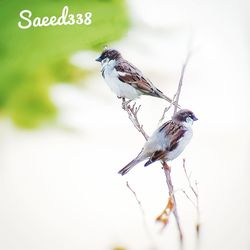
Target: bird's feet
(166,166)
(125,103)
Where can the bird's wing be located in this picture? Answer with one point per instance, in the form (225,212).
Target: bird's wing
(129,74)
(174,133)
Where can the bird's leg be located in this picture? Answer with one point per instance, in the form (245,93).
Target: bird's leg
(166,166)
(124,102)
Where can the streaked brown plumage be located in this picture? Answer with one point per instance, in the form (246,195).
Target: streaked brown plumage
(167,142)
(124,79)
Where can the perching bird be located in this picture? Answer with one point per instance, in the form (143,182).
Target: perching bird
(167,142)
(124,79)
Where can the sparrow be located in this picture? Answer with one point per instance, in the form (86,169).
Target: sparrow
(167,142)
(124,79)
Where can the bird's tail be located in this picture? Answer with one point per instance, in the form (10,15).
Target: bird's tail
(131,164)
(161,95)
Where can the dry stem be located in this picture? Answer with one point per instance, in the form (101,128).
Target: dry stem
(196,194)
(167,171)
(143,215)
(132,115)
(133,112)
(167,109)
(181,81)
(176,97)
(166,168)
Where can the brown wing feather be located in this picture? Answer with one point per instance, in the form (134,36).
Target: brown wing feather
(174,143)
(174,132)
(158,155)
(134,77)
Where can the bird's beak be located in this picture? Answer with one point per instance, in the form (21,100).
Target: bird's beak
(194,118)
(98,59)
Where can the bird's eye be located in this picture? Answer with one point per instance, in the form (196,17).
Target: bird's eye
(105,60)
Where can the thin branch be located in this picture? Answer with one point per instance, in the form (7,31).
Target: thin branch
(188,197)
(181,81)
(149,234)
(167,171)
(188,178)
(167,109)
(132,115)
(137,199)
(196,194)
(175,100)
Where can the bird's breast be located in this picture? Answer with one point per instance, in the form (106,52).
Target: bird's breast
(120,88)
(182,143)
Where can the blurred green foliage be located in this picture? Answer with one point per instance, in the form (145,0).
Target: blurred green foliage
(33,59)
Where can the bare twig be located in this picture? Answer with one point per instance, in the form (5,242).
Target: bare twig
(166,168)
(196,194)
(167,171)
(167,109)
(175,100)
(189,181)
(188,197)
(149,234)
(181,81)
(132,115)
(136,197)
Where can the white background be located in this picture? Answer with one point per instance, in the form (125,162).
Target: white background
(59,187)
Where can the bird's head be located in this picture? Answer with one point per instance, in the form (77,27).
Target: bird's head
(184,116)
(108,55)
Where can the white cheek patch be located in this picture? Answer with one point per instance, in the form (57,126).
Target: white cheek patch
(189,120)
(105,62)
